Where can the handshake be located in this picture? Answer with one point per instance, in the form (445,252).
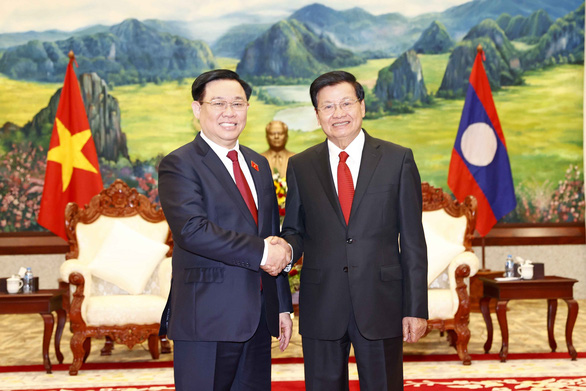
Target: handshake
(279,255)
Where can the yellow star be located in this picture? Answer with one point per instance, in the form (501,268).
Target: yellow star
(68,152)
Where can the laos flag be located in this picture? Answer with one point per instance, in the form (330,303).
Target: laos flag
(480,163)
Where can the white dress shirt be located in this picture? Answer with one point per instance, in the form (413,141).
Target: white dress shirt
(354,151)
(222,153)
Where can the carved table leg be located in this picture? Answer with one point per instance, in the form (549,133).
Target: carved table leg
(48,332)
(501,314)
(485,309)
(87,348)
(552,305)
(165,345)
(572,315)
(61,317)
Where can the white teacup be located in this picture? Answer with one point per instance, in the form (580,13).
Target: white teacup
(13,284)
(526,271)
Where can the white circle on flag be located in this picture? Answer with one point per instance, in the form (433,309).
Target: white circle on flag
(479,144)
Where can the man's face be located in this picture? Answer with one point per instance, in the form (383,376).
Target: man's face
(276,135)
(340,126)
(222,126)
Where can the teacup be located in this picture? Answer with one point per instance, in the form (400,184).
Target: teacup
(526,271)
(13,284)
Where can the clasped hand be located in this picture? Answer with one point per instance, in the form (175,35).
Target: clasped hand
(279,255)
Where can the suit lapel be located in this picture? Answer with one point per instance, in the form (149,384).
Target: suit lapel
(370,158)
(324,172)
(213,162)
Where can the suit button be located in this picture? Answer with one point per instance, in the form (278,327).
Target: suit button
(345,269)
(349,240)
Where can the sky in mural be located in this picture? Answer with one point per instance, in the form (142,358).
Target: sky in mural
(67,15)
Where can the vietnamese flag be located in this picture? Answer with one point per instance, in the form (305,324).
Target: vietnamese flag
(480,162)
(72,174)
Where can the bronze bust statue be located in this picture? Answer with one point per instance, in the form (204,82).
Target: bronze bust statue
(277,154)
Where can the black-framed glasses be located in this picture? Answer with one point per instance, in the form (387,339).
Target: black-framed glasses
(222,105)
(345,105)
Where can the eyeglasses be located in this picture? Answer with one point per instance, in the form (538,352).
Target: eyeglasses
(222,105)
(345,105)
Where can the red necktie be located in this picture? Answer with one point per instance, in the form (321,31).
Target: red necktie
(345,186)
(243,185)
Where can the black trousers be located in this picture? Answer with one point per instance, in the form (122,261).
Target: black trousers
(379,362)
(225,366)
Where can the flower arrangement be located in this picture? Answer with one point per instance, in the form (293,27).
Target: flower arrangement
(295,278)
(281,190)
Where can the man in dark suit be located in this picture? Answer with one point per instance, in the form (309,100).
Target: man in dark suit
(228,295)
(354,210)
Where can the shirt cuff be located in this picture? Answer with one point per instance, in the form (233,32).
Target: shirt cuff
(265,253)
(288,268)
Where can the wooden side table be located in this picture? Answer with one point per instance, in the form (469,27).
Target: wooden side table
(550,288)
(44,302)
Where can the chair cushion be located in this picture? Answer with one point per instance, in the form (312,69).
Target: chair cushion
(440,252)
(441,304)
(127,258)
(124,309)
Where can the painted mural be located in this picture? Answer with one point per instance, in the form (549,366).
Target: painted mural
(135,68)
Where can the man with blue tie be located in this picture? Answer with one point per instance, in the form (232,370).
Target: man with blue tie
(228,294)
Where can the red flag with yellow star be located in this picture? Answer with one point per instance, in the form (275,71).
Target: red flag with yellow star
(72,174)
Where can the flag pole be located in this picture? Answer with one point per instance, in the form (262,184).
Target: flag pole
(480,52)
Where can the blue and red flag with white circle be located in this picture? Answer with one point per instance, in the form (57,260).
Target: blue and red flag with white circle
(480,163)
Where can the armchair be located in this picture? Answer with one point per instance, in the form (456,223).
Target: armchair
(119,270)
(449,229)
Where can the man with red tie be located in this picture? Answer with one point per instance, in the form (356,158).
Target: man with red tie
(354,211)
(228,294)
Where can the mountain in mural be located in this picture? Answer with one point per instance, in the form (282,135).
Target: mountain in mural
(402,81)
(103,114)
(459,19)
(502,65)
(434,40)
(290,49)
(130,52)
(234,41)
(563,42)
(527,29)
(358,30)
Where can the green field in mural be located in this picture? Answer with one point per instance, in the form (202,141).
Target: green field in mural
(534,63)
(542,119)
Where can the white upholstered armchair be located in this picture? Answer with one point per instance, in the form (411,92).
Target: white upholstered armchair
(449,229)
(119,271)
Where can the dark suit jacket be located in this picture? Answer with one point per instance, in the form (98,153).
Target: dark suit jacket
(377,265)
(215,293)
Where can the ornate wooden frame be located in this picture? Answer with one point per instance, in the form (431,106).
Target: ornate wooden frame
(118,200)
(457,328)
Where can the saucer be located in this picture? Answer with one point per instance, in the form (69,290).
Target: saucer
(507,278)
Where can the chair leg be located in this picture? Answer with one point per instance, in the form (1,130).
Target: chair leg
(77,348)
(154,346)
(87,348)
(165,345)
(462,339)
(452,338)
(108,347)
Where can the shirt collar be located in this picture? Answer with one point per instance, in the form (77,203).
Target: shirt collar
(354,150)
(221,151)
